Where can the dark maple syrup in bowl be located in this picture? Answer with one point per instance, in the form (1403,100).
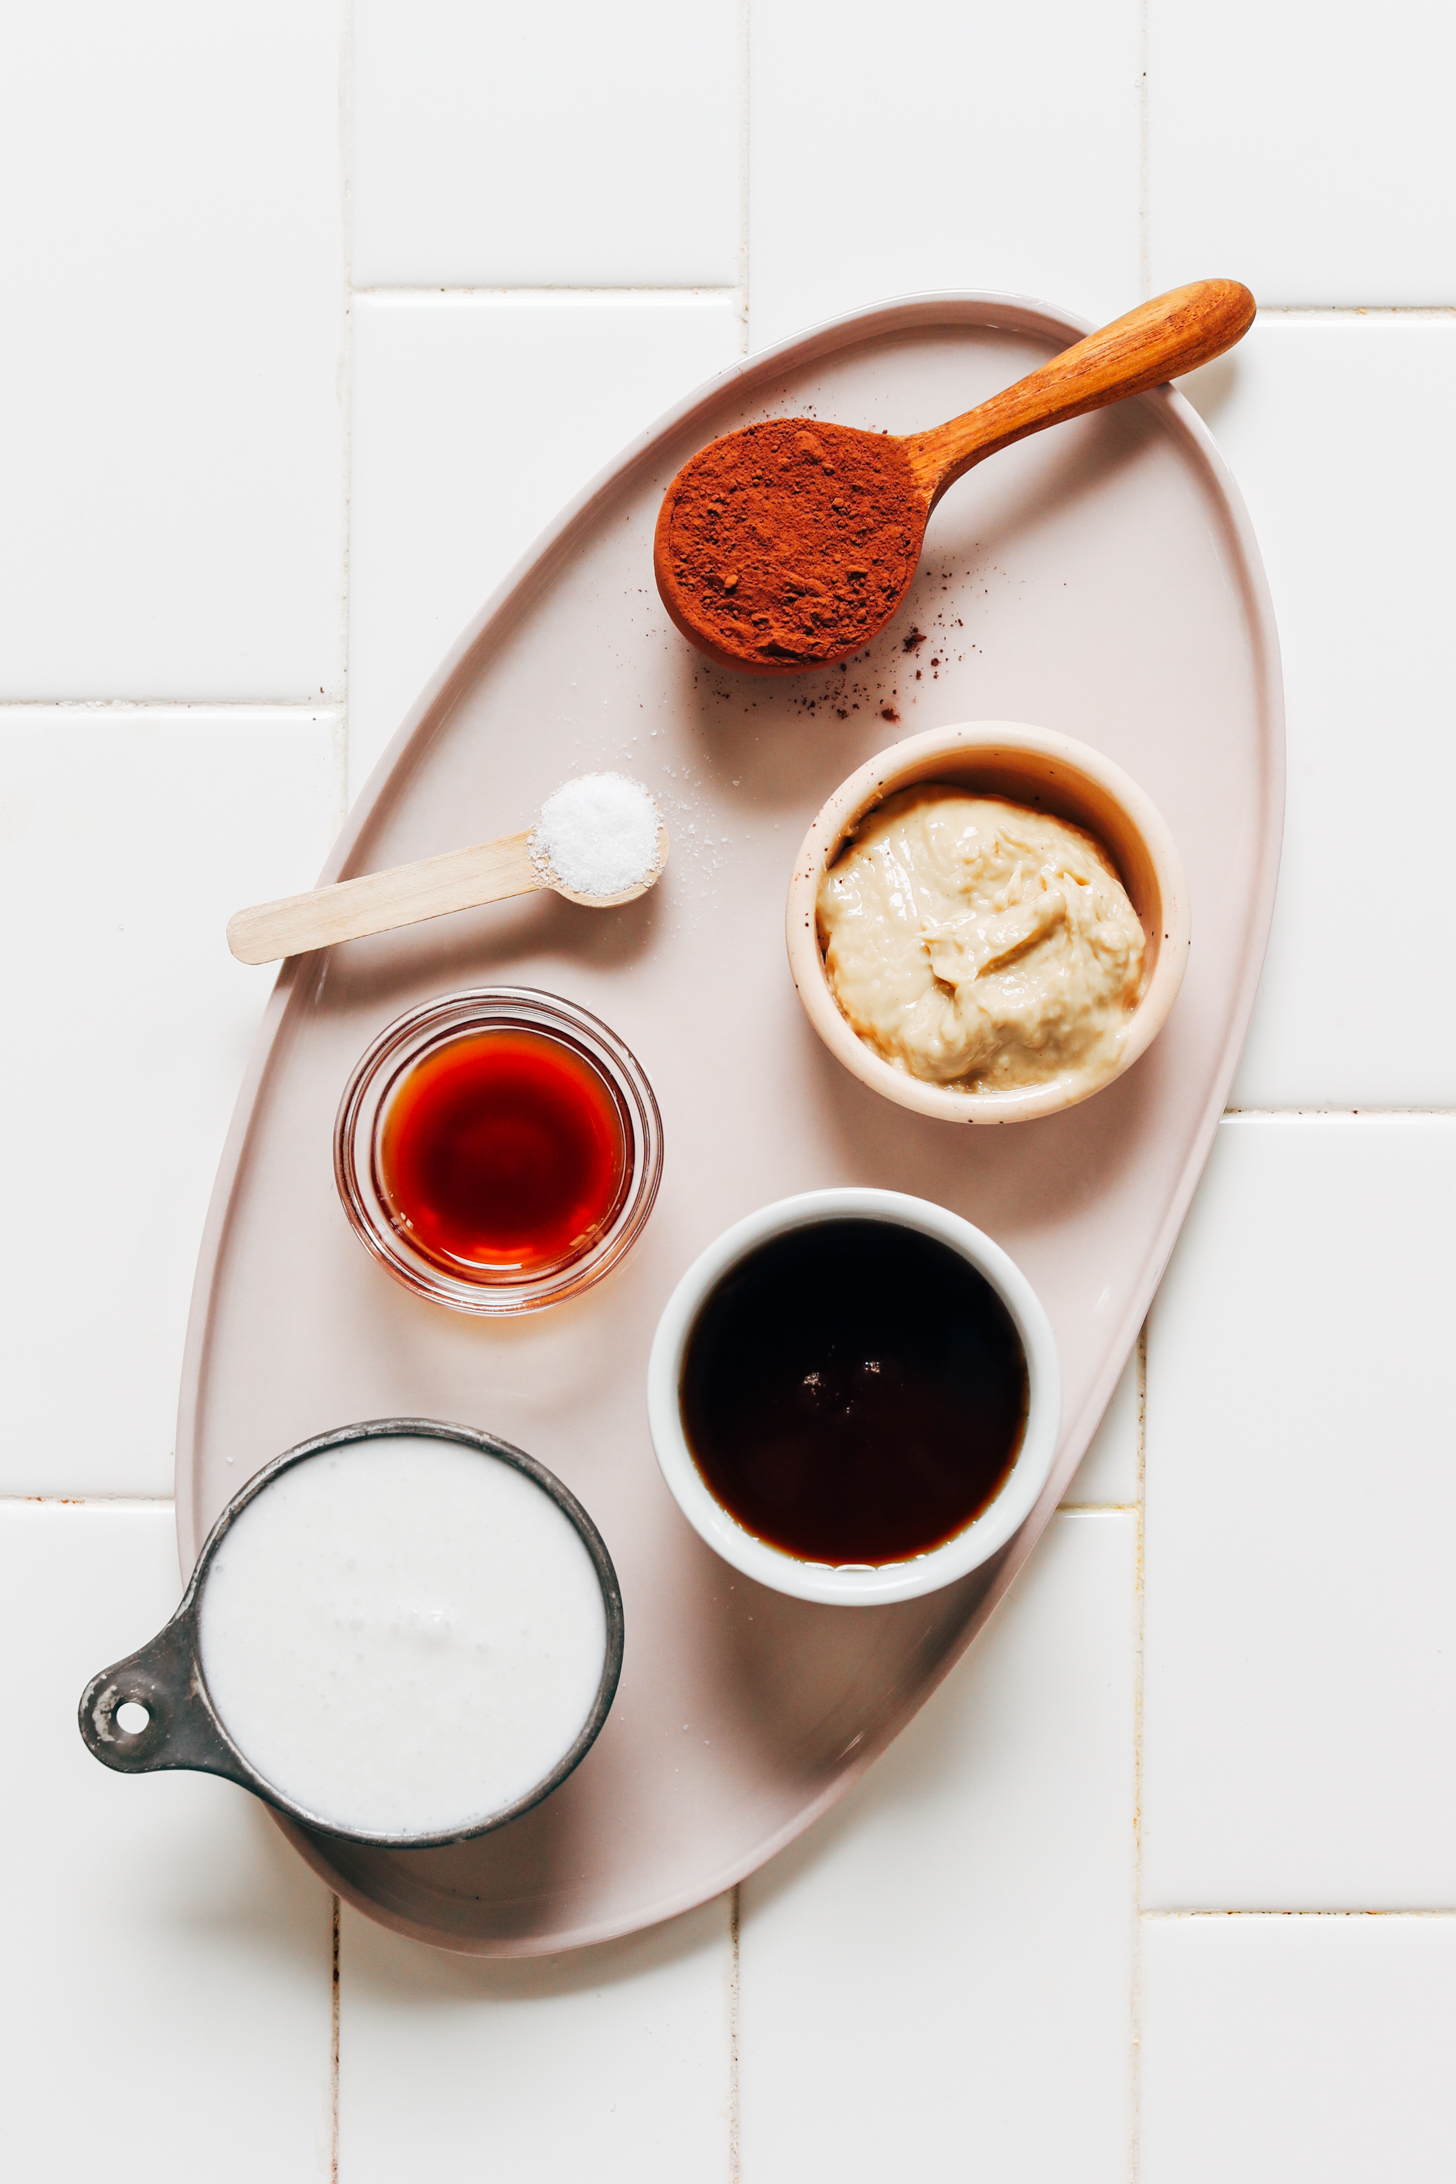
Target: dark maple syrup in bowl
(503,1154)
(854,1392)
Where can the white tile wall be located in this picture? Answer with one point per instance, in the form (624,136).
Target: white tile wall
(1276,2048)
(937,1979)
(164,1985)
(1356,510)
(934,146)
(171,521)
(195,384)
(611,2063)
(1306,150)
(574,146)
(475,420)
(126,842)
(1299,1705)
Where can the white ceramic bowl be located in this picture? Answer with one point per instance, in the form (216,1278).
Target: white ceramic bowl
(939,1566)
(1028,765)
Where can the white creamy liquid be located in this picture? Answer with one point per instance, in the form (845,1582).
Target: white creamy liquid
(403,1635)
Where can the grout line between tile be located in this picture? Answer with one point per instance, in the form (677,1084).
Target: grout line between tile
(1145,240)
(735,1908)
(86,1501)
(562,292)
(1360,310)
(1338,1114)
(346,378)
(1135,2061)
(127,708)
(1283,1911)
(717,291)
(744,34)
(334,2055)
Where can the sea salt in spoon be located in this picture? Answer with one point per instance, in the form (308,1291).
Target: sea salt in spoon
(789,544)
(598,830)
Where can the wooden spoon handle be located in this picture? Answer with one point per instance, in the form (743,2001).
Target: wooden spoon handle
(379,901)
(1172,334)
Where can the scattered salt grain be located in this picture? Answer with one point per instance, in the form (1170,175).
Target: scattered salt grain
(597,835)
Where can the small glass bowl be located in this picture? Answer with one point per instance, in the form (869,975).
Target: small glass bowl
(422,1031)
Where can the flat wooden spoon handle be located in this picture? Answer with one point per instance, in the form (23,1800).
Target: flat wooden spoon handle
(1172,334)
(380,901)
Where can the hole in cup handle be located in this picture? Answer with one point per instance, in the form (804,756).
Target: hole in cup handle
(161,1680)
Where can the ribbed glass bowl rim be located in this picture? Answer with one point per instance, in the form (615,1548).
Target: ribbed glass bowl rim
(527,1008)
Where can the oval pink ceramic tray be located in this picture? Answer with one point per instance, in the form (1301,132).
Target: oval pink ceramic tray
(1101,580)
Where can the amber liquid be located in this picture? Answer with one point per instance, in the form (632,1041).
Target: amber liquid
(854,1392)
(503,1155)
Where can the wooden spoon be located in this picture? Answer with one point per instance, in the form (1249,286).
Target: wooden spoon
(789,544)
(378,902)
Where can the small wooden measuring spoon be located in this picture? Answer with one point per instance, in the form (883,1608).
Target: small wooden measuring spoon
(799,559)
(378,902)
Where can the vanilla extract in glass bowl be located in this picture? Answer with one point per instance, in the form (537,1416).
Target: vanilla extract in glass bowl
(498,1149)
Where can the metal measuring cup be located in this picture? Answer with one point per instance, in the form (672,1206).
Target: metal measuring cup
(185,1729)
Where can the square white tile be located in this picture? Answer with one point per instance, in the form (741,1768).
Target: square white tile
(165,1988)
(580,146)
(938,147)
(1299,1699)
(475,420)
(1306,152)
(1341,434)
(936,1980)
(128,840)
(611,2063)
(1108,1474)
(1282,2048)
(172,519)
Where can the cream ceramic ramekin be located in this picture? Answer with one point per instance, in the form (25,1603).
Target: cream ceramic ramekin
(1032,766)
(857,1586)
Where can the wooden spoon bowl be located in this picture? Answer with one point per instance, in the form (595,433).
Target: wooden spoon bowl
(789,544)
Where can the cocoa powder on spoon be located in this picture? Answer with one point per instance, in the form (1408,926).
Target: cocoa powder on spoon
(788,544)
(794,540)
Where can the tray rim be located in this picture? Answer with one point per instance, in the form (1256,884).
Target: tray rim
(938,310)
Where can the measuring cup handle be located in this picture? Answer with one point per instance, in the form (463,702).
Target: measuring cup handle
(180,1730)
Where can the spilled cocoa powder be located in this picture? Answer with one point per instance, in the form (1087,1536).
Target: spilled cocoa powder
(791,541)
